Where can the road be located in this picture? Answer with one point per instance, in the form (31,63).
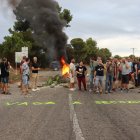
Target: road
(59,114)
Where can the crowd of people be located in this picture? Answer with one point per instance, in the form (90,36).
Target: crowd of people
(103,77)
(113,75)
(24,75)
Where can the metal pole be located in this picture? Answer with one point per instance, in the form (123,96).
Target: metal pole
(16,68)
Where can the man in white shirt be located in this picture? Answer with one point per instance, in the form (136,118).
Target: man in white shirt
(72,74)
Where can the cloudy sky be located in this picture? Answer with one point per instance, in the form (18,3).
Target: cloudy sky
(114,24)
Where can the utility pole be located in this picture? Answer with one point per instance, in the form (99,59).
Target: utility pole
(133,49)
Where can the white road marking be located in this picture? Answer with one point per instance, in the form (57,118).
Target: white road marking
(73,117)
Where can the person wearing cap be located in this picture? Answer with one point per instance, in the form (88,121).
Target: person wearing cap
(35,69)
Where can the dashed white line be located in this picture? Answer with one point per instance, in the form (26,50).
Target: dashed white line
(76,128)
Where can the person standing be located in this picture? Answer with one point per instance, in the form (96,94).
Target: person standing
(35,69)
(81,71)
(72,74)
(99,76)
(5,75)
(115,75)
(0,73)
(25,76)
(22,61)
(135,72)
(93,64)
(125,69)
(109,76)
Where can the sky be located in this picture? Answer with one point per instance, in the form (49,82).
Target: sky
(114,24)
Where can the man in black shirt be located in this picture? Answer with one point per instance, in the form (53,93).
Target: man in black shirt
(99,76)
(81,71)
(35,68)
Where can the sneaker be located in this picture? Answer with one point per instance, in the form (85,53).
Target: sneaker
(8,93)
(97,91)
(106,92)
(34,89)
(90,90)
(3,92)
(122,90)
(37,89)
(110,92)
(101,91)
(72,89)
(127,90)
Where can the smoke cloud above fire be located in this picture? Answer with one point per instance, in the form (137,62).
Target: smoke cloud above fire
(45,22)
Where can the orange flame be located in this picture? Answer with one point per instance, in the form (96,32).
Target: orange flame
(65,68)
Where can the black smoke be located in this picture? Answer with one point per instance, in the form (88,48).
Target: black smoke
(46,24)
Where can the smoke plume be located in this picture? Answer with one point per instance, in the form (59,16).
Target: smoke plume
(46,24)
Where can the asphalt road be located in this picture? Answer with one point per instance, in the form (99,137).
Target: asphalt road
(59,114)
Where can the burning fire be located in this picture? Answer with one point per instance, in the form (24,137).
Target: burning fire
(65,68)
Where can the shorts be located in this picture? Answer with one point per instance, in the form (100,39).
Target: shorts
(71,80)
(4,80)
(34,75)
(130,75)
(120,76)
(125,79)
(25,80)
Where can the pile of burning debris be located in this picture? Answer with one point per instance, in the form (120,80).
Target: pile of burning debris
(57,80)
(63,80)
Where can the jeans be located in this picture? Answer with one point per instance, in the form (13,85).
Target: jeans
(81,80)
(99,80)
(91,77)
(109,81)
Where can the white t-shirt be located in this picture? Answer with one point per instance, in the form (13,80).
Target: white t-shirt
(125,70)
(72,68)
(130,66)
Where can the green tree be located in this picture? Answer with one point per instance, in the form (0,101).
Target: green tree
(117,56)
(22,35)
(91,49)
(69,52)
(104,53)
(65,14)
(13,44)
(79,48)
(132,56)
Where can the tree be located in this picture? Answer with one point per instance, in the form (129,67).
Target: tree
(66,15)
(91,49)
(84,50)
(22,35)
(69,52)
(104,53)
(13,44)
(117,56)
(132,56)
(79,48)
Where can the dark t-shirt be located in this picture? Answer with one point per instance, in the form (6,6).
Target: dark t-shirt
(4,69)
(35,65)
(99,70)
(82,70)
(133,66)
